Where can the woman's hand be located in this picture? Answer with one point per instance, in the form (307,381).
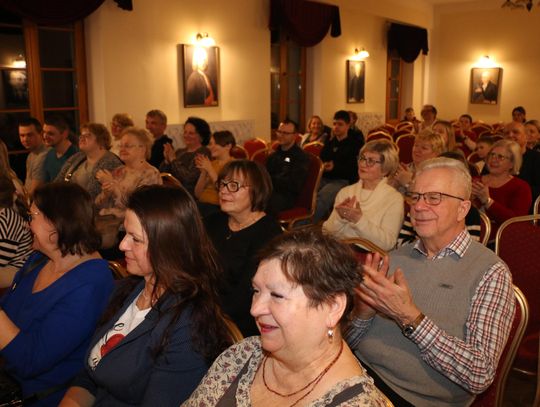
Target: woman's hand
(403,175)
(349,210)
(203,163)
(168,152)
(480,192)
(104,176)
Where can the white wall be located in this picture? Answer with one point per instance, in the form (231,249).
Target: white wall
(134,61)
(466,32)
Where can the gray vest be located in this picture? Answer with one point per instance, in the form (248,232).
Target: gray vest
(443,290)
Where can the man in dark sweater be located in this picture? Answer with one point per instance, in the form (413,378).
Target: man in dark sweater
(156,123)
(288,168)
(339,157)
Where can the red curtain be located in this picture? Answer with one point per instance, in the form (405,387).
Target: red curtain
(306,22)
(57,12)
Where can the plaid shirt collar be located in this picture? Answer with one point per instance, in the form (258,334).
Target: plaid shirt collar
(458,246)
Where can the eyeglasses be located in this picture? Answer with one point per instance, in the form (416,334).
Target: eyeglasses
(370,162)
(129,146)
(85,135)
(499,157)
(285,133)
(232,186)
(431,198)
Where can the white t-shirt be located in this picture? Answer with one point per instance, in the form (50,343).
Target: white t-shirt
(127,322)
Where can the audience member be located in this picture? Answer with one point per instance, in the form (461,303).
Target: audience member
(409,116)
(6,170)
(465,124)
(370,209)
(519,114)
(156,124)
(465,137)
(118,184)
(302,294)
(530,166)
(182,163)
(162,331)
(316,131)
(56,136)
(206,191)
(418,352)
(51,310)
(499,193)
(354,130)
(340,167)
(446,130)
(239,232)
(119,122)
(288,168)
(30,135)
(483,145)
(429,116)
(532,129)
(94,155)
(426,145)
(15,236)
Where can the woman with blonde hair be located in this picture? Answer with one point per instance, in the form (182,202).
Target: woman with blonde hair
(316,131)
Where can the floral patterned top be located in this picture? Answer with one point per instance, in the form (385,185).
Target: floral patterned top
(229,364)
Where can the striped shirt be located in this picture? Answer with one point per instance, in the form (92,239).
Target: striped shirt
(471,362)
(15,238)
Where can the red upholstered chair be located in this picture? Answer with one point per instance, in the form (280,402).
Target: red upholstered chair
(274,145)
(304,207)
(239,153)
(261,156)
(493,396)
(314,148)
(409,126)
(405,144)
(536,206)
(389,128)
(518,243)
(377,135)
(362,247)
(485,228)
(118,270)
(401,133)
(481,128)
(253,145)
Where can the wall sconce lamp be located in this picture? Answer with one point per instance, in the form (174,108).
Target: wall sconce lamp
(19,62)
(204,40)
(486,62)
(361,54)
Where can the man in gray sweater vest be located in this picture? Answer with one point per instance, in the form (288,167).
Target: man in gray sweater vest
(432,332)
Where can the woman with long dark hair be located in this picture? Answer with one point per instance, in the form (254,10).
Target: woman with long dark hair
(158,340)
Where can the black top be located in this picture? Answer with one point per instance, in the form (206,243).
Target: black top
(344,154)
(288,170)
(238,255)
(156,156)
(530,171)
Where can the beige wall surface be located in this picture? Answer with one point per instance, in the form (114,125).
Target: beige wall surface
(510,37)
(134,59)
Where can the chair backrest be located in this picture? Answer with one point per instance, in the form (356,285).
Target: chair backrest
(304,207)
(169,179)
(389,128)
(493,396)
(473,158)
(518,243)
(260,156)
(362,247)
(377,135)
(481,128)
(485,228)
(239,153)
(405,145)
(536,206)
(253,145)
(409,126)
(314,148)
(117,270)
(401,132)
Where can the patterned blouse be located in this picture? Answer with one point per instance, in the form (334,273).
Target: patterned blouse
(227,366)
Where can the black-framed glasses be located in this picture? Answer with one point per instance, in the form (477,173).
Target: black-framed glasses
(431,198)
(499,157)
(286,133)
(370,162)
(232,186)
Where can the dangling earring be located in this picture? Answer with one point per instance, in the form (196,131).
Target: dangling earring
(330,335)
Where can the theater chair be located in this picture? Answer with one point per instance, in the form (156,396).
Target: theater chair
(314,148)
(405,144)
(253,145)
(239,153)
(260,156)
(377,135)
(485,228)
(169,179)
(362,247)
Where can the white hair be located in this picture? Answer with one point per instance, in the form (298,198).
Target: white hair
(461,173)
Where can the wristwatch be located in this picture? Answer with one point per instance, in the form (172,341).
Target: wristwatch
(408,329)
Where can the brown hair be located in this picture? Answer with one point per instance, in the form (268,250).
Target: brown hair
(7,191)
(103,137)
(320,264)
(223,138)
(256,176)
(123,119)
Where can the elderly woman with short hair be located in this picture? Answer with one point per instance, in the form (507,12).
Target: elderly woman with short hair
(119,123)
(370,209)
(500,194)
(303,292)
(94,155)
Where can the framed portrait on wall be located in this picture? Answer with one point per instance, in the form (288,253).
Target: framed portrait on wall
(201,75)
(356,76)
(485,85)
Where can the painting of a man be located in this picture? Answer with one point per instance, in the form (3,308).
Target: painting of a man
(485,85)
(200,76)
(355,81)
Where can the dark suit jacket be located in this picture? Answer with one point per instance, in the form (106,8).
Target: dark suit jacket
(130,375)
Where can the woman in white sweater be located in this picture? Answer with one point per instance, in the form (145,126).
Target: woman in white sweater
(370,209)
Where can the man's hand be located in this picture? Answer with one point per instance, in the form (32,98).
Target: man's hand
(375,264)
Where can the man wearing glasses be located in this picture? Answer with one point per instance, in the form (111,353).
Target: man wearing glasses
(432,331)
(288,168)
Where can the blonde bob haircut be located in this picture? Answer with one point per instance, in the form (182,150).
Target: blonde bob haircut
(438,143)
(461,173)
(388,154)
(514,151)
(142,135)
